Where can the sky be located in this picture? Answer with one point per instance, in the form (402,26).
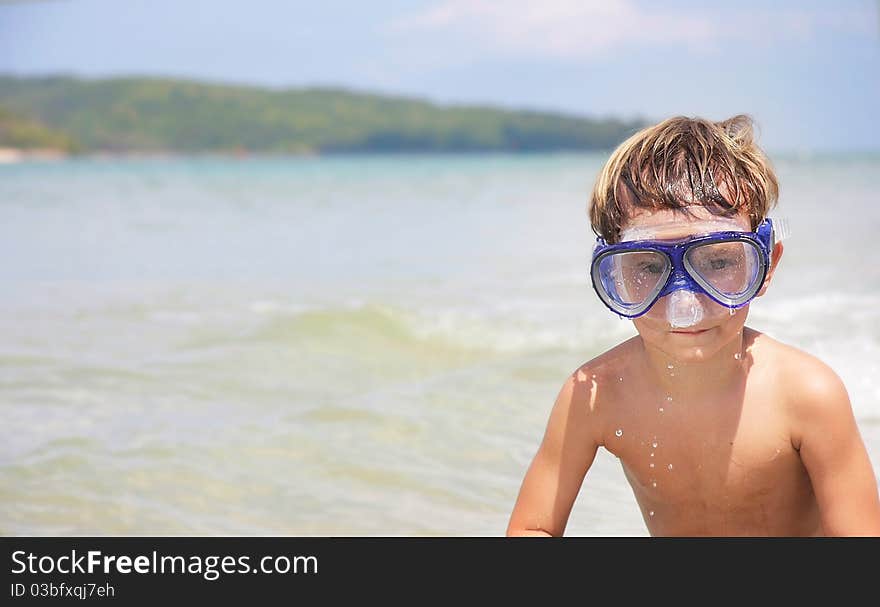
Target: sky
(808,72)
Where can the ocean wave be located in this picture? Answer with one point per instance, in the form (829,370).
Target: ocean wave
(501,329)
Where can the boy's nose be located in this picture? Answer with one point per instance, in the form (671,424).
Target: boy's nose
(678,281)
(683,308)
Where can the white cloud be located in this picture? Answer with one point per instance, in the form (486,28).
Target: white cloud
(578,29)
(556,28)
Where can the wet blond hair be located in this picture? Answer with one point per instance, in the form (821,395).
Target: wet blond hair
(680,162)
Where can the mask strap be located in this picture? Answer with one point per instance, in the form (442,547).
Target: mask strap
(781,229)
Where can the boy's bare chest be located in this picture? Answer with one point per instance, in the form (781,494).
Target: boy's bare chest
(695,431)
(708,467)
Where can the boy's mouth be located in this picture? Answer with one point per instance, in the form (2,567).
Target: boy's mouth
(689,331)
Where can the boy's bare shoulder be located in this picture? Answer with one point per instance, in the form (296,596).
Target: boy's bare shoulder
(604,370)
(577,410)
(798,370)
(611,364)
(811,389)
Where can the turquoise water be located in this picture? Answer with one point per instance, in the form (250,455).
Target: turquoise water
(344,346)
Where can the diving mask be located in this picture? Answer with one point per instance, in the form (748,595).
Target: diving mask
(728,266)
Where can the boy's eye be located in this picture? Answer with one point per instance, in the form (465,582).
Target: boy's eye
(719,263)
(719,257)
(652,268)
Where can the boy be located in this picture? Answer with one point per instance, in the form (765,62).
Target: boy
(720,429)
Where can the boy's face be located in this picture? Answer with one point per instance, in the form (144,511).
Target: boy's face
(716,326)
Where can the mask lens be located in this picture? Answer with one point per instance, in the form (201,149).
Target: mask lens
(730,269)
(631,278)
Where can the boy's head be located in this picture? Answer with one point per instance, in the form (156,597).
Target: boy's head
(680,209)
(680,163)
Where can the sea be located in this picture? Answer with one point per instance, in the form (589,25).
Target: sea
(346,345)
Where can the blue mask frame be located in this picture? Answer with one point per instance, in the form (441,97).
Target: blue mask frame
(678,273)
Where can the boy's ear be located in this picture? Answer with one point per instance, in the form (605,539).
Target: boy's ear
(777,255)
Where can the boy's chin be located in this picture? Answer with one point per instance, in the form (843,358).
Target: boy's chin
(694,344)
(689,352)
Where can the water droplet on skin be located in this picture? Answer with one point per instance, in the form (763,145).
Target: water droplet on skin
(654,444)
(670,366)
(669,398)
(651,513)
(619,379)
(732,311)
(737,356)
(654,484)
(661,409)
(670,466)
(651,465)
(652,455)
(618,433)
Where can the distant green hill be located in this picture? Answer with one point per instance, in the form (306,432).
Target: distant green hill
(22,132)
(156,115)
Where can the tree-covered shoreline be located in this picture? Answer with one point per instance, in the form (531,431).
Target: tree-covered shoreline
(158,115)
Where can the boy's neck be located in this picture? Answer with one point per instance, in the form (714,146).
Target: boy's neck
(696,378)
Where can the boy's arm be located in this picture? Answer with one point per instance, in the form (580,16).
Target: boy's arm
(554,477)
(834,455)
